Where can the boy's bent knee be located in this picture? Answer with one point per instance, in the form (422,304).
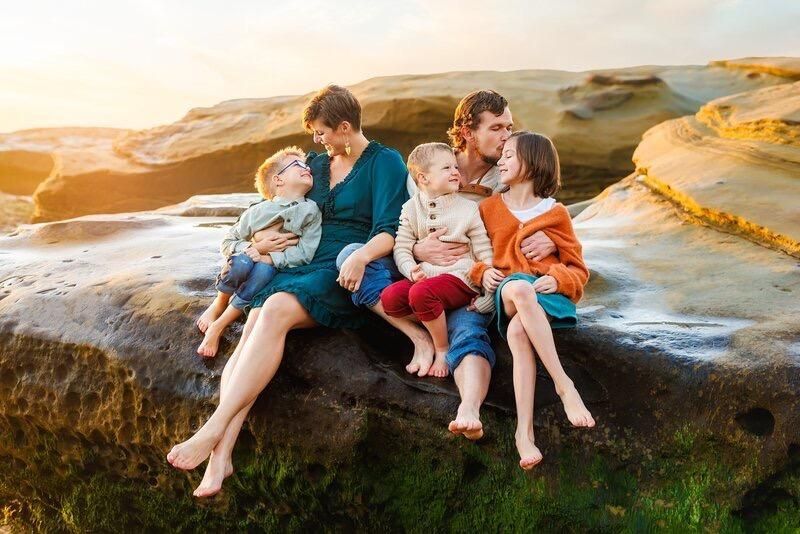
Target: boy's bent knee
(346,252)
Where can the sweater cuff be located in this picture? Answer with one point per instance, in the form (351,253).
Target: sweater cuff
(484,303)
(240,246)
(564,285)
(405,268)
(278,259)
(476,273)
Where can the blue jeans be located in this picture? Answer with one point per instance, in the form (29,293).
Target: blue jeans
(378,275)
(243,278)
(468,331)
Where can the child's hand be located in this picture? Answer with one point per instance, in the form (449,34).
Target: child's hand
(266,258)
(492,278)
(545,284)
(252,253)
(417,273)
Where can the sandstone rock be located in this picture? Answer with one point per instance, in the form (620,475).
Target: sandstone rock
(735,164)
(14,210)
(595,118)
(28,157)
(788,67)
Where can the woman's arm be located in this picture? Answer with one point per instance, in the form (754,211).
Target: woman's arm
(388,190)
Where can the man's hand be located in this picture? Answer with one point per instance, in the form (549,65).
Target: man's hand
(538,246)
(545,284)
(266,258)
(438,252)
(417,274)
(352,271)
(492,278)
(252,253)
(271,239)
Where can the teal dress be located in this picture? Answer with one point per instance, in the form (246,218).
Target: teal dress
(366,203)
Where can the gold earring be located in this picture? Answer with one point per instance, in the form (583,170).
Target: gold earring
(347,147)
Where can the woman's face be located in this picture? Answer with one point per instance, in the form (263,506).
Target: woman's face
(509,164)
(333,139)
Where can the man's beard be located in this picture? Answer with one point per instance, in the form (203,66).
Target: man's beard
(491,160)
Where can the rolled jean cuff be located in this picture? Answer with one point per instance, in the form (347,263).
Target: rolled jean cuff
(454,358)
(238,302)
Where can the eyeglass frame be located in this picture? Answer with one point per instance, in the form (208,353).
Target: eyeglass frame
(304,166)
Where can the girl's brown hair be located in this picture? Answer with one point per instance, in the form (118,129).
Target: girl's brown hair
(334,105)
(539,162)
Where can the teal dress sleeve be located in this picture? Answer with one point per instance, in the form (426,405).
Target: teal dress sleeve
(389,192)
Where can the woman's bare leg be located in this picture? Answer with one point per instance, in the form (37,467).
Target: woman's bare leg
(220,464)
(522,297)
(423,347)
(255,367)
(524,388)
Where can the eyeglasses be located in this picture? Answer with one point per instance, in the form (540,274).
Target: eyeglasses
(294,162)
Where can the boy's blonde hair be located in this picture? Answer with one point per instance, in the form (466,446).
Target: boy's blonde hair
(420,158)
(271,166)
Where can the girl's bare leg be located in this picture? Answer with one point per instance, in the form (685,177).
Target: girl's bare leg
(255,367)
(423,347)
(520,297)
(524,388)
(220,464)
(438,331)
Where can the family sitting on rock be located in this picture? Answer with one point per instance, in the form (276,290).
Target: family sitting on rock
(337,232)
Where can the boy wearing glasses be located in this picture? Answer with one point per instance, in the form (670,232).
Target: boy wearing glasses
(283,180)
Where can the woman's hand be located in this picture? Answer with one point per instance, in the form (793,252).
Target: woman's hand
(417,274)
(545,284)
(492,278)
(352,271)
(538,246)
(438,252)
(271,239)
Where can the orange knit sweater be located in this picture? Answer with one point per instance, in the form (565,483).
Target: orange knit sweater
(507,232)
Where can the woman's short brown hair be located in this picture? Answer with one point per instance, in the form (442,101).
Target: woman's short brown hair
(468,114)
(538,162)
(271,166)
(333,104)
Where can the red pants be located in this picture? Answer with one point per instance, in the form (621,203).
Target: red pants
(427,299)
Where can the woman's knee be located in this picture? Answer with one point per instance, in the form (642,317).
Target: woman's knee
(282,310)
(345,253)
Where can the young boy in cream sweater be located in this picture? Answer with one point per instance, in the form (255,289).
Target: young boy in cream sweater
(430,290)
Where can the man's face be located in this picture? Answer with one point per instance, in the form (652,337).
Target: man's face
(491,134)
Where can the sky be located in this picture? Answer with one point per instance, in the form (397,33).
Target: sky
(138,64)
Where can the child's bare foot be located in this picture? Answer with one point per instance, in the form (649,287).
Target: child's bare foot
(529,453)
(217,470)
(468,423)
(577,413)
(423,356)
(194,451)
(211,314)
(208,348)
(439,367)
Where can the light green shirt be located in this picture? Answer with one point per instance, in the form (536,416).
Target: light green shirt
(301,217)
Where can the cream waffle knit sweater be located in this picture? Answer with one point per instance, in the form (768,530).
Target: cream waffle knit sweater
(422,215)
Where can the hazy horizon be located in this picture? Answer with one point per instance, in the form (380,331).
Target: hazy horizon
(140,64)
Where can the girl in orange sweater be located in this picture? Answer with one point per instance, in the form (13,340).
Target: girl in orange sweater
(533,296)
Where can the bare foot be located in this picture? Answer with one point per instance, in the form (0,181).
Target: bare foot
(423,356)
(208,348)
(439,367)
(529,453)
(217,471)
(468,423)
(577,413)
(211,314)
(194,451)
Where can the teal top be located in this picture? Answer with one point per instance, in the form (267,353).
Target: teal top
(366,203)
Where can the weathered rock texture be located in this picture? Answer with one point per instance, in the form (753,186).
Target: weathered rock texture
(595,118)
